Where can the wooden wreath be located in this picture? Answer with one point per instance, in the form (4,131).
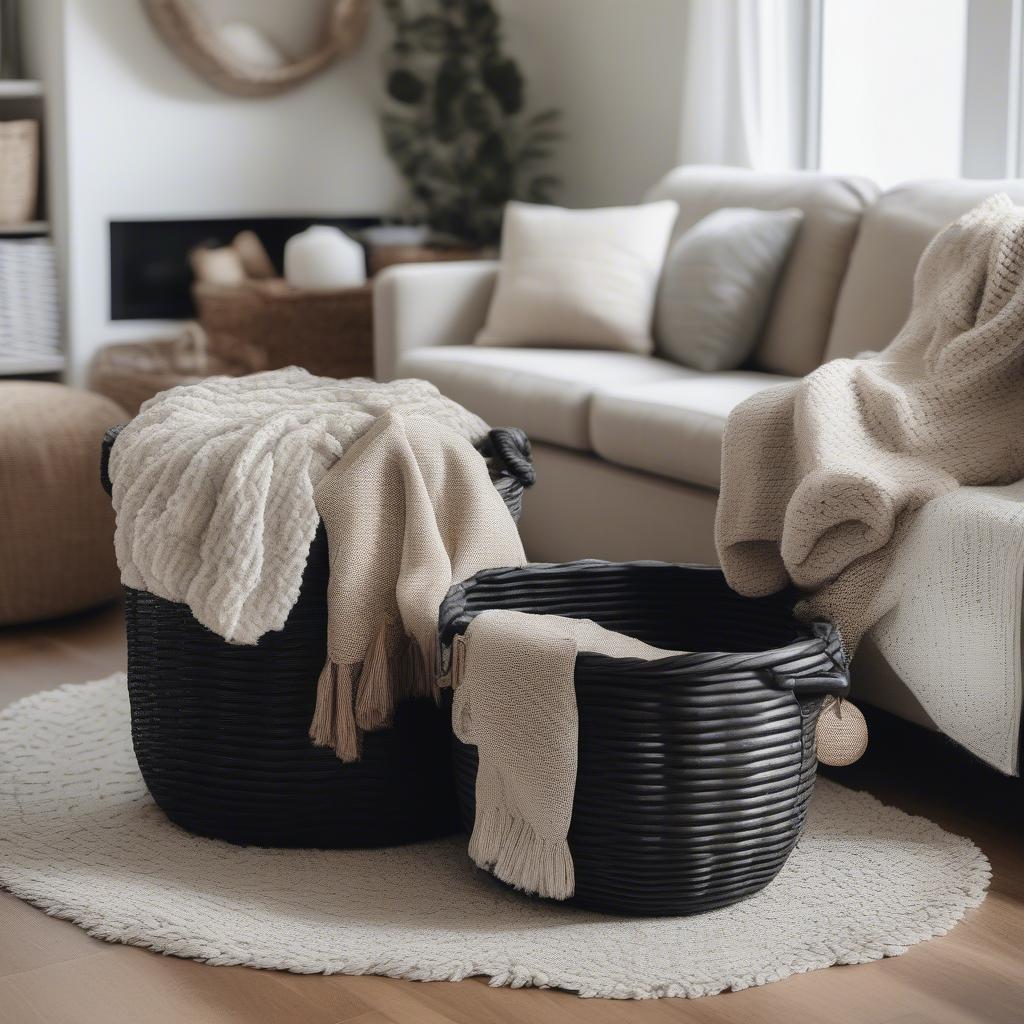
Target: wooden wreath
(189,33)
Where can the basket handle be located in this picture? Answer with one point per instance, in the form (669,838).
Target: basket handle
(828,684)
(108,442)
(509,448)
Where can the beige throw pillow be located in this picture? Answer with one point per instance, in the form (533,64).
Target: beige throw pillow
(579,278)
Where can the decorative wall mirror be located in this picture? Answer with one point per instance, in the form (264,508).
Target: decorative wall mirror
(237,58)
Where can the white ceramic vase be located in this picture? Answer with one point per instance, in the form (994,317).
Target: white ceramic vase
(322,258)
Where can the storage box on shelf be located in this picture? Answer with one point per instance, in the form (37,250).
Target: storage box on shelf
(30,343)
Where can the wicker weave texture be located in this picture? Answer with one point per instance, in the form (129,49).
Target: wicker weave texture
(19,170)
(221,730)
(329,333)
(132,372)
(694,772)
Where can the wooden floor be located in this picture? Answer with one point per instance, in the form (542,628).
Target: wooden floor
(51,972)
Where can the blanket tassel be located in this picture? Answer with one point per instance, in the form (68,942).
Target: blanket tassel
(375,698)
(333,723)
(509,848)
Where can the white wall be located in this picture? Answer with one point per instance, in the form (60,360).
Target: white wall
(145,137)
(615,68)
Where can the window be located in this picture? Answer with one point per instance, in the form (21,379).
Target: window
(892,81)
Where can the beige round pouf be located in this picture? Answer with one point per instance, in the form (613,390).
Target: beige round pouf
(56,523)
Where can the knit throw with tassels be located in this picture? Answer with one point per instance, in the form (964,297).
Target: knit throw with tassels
(515,701)
(409,510)
(213,486)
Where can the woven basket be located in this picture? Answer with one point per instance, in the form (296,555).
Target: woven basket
(19,171)
(694,771)
(330,333)
(221,730)
(134,371)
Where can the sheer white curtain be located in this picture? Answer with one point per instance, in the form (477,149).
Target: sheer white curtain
(749,87)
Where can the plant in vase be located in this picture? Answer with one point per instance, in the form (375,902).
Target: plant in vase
(456,124)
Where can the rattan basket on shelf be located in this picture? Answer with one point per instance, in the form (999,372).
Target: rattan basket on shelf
(19,171)
(329,333)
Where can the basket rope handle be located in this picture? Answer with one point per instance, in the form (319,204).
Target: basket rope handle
(108,443)
(509,448)
(829,684)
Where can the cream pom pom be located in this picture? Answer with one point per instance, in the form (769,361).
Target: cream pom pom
(842,735)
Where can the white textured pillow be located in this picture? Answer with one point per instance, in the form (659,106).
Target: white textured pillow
(717,285)
(579,278)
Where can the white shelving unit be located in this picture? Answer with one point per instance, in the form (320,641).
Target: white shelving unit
(24,98)
(27,366)
(20,88)
(31,227)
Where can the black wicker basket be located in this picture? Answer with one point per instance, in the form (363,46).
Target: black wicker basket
(221,730)
(694,771)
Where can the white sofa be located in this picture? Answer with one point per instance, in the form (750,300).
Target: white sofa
(627,447)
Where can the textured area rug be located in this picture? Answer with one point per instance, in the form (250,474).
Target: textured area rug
(81,838)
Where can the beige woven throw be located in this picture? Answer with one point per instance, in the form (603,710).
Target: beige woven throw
(515,700)
(821,478)
(409,510)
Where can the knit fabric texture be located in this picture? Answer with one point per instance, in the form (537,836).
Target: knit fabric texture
(213,486)
(515,701)
(409,510)
(822,478)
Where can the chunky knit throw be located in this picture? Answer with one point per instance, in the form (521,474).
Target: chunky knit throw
(515,701)
(822,479)
(213,486)
(409,510)
(219,487)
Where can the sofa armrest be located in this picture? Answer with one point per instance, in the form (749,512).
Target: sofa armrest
(417,305)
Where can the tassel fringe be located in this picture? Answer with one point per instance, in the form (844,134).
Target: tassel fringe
(333,722)
(375,695)
(513,852)
(321,729)
(393,670)
(346,742)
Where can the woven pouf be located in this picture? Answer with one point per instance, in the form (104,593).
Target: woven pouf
(56,526)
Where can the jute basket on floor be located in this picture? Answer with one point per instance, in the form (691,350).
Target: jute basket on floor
(694,771)
(134,371)
(329,333)
(19,170)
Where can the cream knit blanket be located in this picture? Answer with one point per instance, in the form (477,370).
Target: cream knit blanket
(219,488)
(409,510)
(822,478)
(515,701)
(213,486)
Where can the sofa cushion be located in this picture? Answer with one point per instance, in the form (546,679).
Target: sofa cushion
(797,326)
(717,286)
(875,298)
(579,278)
(547,392)
(673,427)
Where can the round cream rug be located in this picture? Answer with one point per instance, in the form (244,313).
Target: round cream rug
(81,838)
